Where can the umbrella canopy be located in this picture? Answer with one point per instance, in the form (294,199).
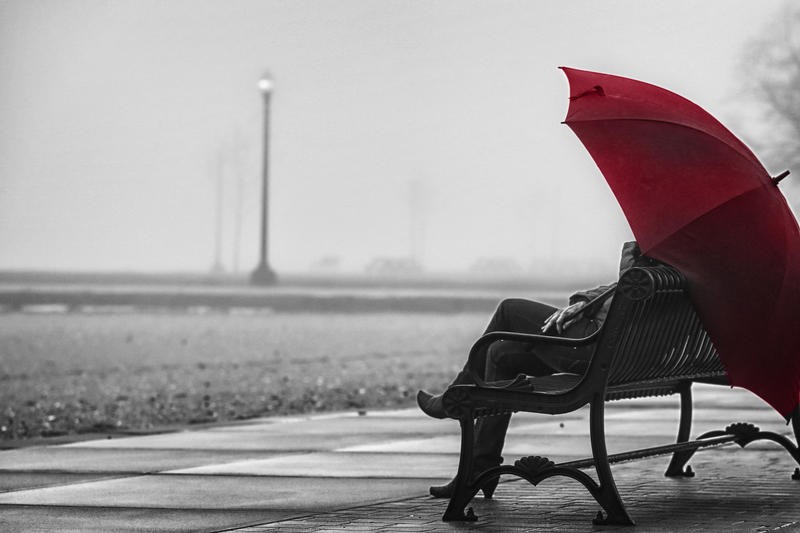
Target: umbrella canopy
(698,199)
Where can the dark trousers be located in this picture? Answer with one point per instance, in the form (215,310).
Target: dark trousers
(506,359)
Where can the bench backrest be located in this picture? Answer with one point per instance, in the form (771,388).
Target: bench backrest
(652,332)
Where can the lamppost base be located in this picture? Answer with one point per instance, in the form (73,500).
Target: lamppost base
(263,275)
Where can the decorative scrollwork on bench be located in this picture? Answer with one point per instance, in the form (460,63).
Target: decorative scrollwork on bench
(457,403)
(636,285)
(742,430)
(533,465)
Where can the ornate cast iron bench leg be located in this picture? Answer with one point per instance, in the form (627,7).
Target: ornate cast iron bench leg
(680,458)
(606,494)
(464,490)
(743,434)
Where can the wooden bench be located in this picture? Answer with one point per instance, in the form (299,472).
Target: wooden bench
(651,344)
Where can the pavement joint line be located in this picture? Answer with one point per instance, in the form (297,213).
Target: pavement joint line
(366,508)
(162,508)
(67,483)
(242,525)
(105,476)
(334,511)
(318,476)
(112,474)
(241,451)
(134,507)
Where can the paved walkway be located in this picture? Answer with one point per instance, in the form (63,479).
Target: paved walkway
(370,472)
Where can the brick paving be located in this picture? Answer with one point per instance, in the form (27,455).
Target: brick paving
(734,490)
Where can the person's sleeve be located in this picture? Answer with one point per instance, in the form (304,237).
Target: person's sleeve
(589,295)
(630,253)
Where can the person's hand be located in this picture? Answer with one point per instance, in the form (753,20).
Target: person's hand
(564,318)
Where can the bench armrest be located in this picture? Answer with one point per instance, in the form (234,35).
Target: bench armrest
(594,304)
(495,336)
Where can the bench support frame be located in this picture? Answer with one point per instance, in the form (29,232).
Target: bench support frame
(652,343)
(536,469)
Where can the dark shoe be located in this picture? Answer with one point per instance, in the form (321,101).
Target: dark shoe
(443,491)
(446,491)
(431,405)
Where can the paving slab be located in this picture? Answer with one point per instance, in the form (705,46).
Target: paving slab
(12,480)
(714,396)
(32,519)
(220,492)
(83,459)
(233,440)
(344,416)
(566,446)
(659,424)
(708,415)
(346,425)
(341,465)
(726,397)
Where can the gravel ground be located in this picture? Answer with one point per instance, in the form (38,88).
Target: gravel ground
(65,373)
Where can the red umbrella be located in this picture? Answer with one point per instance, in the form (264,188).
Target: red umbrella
(698,199)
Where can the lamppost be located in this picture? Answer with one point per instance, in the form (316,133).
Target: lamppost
(263,274)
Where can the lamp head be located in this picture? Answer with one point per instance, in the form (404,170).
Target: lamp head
(266,83)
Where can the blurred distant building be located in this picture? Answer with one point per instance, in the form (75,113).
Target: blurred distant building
(496,267)
(328,264)
(393,267)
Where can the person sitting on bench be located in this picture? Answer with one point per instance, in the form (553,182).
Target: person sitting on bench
(506,359)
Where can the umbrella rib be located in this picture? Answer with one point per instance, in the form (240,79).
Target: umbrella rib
(784,279)
(706,213)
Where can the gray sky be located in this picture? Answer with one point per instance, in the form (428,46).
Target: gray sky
(118,116)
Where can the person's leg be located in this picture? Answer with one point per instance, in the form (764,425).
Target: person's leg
(504,360)
(431,404)
(574,360)
(507,359)
(521,315)
(513,314)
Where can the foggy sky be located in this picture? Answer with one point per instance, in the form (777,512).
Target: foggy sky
(429,128)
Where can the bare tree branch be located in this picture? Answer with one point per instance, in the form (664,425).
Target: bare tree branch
(772,65)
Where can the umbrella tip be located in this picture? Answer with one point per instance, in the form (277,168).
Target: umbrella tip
(597,89)
(777,179)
